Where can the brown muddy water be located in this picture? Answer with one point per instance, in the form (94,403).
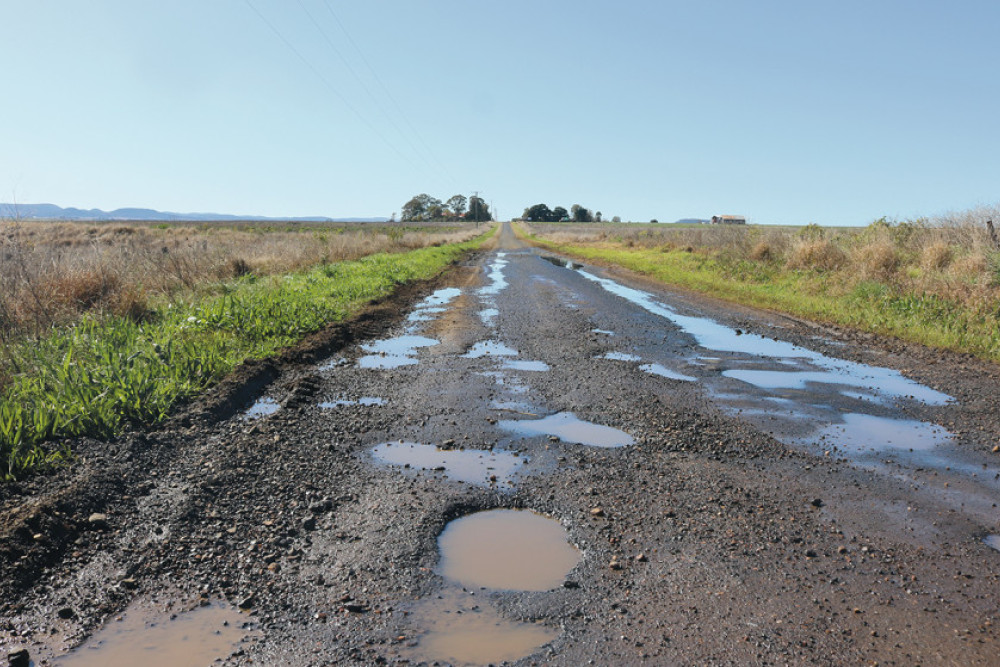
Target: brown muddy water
(473,466)
(506,550)
(147,637)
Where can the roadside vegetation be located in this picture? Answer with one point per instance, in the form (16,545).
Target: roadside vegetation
(109,327)
(930,281)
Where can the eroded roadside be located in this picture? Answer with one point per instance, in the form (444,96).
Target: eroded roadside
(699,538)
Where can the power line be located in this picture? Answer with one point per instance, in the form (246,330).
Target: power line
(388,93)
(329,85)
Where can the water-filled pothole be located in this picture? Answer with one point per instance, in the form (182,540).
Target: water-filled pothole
(620,356)
(525,365)
(664,372)
(473,466)
(433,305)
(490,348)
(366,401)
(459,628)
(569,428)
(394,352)
(497,280)
(506,550)
(860,432)
(262,407)
(156,639)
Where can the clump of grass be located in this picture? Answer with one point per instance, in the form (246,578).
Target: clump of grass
(936,256)
(878,260)
(819,254)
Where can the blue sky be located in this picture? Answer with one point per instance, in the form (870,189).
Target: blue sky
(786,112)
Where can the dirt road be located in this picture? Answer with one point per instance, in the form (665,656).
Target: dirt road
(699,484)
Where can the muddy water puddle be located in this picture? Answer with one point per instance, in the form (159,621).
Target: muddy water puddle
(866,433)
(525,365)
(152,638)
(506,550)
(620,356)
(472,466)
(365,401)
(570,429)
(434,305)
(495,276)
(662,371)
(460,628)
(489,348)
(262,407)
(394,352)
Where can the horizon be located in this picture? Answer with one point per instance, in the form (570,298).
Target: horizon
(781,112)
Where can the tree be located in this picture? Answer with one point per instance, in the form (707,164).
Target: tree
(580,214)
(478,210)
(616,219)
(559,214)
(421,208)
(537,213)
(457,205)
(597,217)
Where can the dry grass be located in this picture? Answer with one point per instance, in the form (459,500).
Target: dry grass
(52,272)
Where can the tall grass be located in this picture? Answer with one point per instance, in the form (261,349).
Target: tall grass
(54,272)
(932,281)
(110,372)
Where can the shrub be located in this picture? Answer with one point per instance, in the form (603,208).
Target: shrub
(762,252)
(818,254)
(936,256)
(878,260)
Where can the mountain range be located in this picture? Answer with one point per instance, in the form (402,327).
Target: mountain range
(53,212)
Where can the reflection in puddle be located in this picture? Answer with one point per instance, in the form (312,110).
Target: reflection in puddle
(664,372)
(603,331)
(506,550)
(565,263)
(992,541)
(463,629)
(333,363)
(473,466)
(489,348)
(263,407)
(861,432)
(568,428)
(152,639)
(495,275)
(519,365)
(620,356)
(433,305)
(488,316)
(394,352)
(366,401)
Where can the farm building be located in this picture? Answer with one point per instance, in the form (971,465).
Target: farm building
(728,220)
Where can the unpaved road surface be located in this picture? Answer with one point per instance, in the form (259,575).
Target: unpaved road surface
(706,485)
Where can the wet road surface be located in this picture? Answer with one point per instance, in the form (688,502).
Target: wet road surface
(547,463)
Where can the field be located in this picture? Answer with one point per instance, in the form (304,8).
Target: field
(107,327)
(934,282)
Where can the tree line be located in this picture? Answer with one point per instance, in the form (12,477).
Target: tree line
(576,213)
(424,208)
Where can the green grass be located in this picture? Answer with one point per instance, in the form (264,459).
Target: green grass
(828,297)
(105,375)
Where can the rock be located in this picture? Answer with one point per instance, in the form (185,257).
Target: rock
(614,564)
(355,608)
(817,502)
(996,449)
(309,523)
(19,658)
(98,520)
(641,558)
(571,584)
(246,603)
(810,553)
(130,584)
(597,511)
(66,613)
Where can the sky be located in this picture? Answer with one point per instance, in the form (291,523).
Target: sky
(786,112)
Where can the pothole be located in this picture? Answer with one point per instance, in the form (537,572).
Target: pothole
(432,306)
(662,371)
(861,432)
(367,401)
(525,365)
(506,550)
(262,407)
(620,356)
(472,466)
(463,629)
(394,352)
(569,428)
(153,638)
(489,348)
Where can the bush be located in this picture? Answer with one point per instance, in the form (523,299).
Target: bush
(878,260)
(820,254)
(936,257)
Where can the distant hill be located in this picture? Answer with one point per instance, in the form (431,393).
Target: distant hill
(692,221)
(53,212)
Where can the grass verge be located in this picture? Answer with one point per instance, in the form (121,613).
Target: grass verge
(824,296)
(107,374)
